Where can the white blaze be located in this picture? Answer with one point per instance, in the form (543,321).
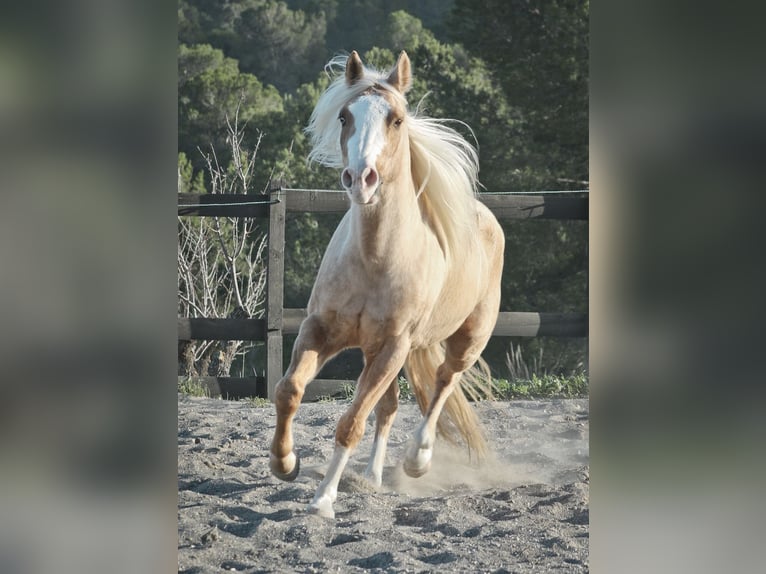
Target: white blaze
(368,139)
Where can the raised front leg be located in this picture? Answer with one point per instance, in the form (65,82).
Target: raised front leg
(385,413)
(312,349)
(380,368)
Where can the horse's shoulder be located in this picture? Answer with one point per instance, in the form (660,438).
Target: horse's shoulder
(488,225)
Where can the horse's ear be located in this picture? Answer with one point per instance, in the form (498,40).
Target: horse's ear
(354,68)
(401,76)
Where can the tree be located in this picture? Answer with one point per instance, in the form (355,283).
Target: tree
(279,45)
(188,181)
(538,51)
(210,89)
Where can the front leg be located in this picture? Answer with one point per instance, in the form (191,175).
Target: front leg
(379,370)
(385,413)
(311,350)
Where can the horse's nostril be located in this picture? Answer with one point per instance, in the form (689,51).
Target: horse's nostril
(345,178)
(371,177)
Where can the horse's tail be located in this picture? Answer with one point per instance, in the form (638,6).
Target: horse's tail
(458,419)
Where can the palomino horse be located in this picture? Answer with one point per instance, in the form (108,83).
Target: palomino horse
(411,276)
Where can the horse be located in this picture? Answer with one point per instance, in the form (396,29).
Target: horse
(411,276)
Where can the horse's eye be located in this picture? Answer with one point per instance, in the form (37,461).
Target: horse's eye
(342,120)
(398,122)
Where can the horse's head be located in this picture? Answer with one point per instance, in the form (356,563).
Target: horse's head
(373,130)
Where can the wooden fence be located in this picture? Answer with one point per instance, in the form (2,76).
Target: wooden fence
(280,321)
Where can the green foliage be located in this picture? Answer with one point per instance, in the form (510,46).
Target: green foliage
(211,89)
(542,387)
(308,235)
(403,29)
(405,392)
(257,402)
(192,387)
(188,182)
(538,51)
(282,45)
(546,266)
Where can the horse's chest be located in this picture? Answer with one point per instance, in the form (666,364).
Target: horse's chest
(375,300)
(369,308)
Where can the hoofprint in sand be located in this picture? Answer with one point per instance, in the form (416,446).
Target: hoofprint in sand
(526,510)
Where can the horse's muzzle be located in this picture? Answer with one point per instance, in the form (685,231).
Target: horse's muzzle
(361,185)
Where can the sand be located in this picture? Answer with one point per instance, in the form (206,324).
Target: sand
(526,510)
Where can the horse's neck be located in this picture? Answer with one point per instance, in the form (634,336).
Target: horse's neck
(390,229)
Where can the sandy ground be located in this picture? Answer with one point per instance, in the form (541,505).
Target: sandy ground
(524,511)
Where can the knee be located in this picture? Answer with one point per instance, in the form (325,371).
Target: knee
(388,405)
(349,431)
(445,376)
(287,395)
(452,367)
(385,413)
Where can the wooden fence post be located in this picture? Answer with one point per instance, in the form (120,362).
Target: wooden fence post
(275,275)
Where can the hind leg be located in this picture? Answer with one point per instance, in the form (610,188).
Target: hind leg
(385,413)
(312,349)
(417,460)
(463,349)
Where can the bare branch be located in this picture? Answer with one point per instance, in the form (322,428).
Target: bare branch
(221,270)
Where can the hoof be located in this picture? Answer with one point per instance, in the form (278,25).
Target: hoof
(322,508)
(416,471)
(418,462)
(286,476)
(375,481)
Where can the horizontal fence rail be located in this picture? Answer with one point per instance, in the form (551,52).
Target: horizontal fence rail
(207,329)
(509,324)
(280,321)
(249,205)
(223,205)
(503,206)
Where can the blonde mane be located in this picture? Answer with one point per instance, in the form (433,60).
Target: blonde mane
(444,165)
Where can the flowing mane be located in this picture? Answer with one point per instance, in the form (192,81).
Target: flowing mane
(444,165)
